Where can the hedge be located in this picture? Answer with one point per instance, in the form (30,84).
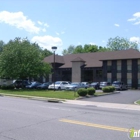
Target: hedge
(108,89)
(82,92)
(91,91)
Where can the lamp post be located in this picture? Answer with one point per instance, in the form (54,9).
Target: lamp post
(54,48)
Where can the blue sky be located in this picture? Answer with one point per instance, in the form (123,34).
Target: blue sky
(63,23)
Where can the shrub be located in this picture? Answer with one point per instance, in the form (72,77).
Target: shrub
(108,89)
(91,91)
(82,92)
(7,87)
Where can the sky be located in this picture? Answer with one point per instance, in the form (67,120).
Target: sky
(63,23)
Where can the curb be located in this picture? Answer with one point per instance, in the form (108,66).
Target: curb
(108,93)
(136,102)
(55,100)
(88,96)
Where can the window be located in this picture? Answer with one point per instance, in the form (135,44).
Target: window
(98,73)
(139,68)
(108,69)
(129,83)
(139,81)
(119,68)
(109,80)
(129,68)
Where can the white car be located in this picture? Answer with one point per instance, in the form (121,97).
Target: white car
(59,85)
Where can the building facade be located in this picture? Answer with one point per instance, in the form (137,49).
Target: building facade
(110,66)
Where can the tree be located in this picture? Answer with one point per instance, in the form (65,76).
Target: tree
(78,49)
(70,50)
(46,53)
(1,45)
(119,43)
(90,48)
(21,59)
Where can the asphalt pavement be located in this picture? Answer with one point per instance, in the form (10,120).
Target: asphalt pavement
(24,119)
(122,97)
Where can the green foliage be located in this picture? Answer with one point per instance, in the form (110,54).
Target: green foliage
(46,53)
(21,59)
(91,91)
(87,48)
(119,43)
(82,92)
(1,45)
(7,87)
(70,50)
(108,89)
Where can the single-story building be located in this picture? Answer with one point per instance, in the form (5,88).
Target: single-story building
(109,66)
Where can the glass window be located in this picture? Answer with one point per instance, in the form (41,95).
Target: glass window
(129,67)
(109,80)
(139,81)
(119,67)
(98,73)
(138,68)
(108,69)
(129,81)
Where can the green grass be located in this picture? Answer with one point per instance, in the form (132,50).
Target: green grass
(138,102)
(43,93)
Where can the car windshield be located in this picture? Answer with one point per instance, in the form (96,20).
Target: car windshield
(116,82)
(102,83)
(94,83)
(57,82)
(74,83)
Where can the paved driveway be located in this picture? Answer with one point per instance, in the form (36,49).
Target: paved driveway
(124,97)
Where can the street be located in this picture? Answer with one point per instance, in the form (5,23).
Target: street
(24,119)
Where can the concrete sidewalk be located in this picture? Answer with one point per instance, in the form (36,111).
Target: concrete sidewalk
(104,105)
(79,102)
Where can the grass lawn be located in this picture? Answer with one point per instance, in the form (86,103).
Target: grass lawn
(138,102)
(43,93)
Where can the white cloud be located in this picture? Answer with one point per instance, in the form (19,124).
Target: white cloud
(46,42)
(18,20)
(44,30)
(135,19)
(46,25)
(117,25)
(135,39)
(92,43)
(39,22)
(62,32)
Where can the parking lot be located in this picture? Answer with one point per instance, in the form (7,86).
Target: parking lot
(124,97)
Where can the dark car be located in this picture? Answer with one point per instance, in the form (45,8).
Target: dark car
(95,85)
(44,85)
(33,85)
(20,83)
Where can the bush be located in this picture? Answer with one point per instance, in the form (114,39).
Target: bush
(108,89)
(7,87)
(91,91)
(82,92)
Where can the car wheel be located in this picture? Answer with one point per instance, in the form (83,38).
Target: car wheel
(59,88)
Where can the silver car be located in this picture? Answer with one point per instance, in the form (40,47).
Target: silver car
(75,86)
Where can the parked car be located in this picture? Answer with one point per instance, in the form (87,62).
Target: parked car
(75,86)
(104,84)
(95,85)
(44,85)
(86,84)
(119,85)
(59,85)
(33,85)
(20,83)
